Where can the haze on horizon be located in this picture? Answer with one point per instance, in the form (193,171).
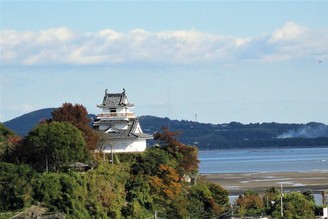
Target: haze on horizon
(244,61)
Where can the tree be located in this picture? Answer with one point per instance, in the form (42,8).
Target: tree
(15,186)
(219,194)
(140,201)
(8,141)
(78,116)
(269,198)
(166,182)
(186,156)
(106,189)
(148,162)
(52,145)
(295,206)
(62,192)
(207,200)
(250,203)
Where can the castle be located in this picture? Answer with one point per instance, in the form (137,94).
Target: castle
(119,126)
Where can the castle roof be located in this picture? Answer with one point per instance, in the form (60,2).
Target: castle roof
(130,132)
(115,99)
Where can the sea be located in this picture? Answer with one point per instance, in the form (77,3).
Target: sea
(264,160)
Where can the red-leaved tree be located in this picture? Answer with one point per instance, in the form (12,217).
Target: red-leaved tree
(187,156)
(78,116)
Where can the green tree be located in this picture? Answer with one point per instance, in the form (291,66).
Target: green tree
(53,145)
(295,206)
(62,192)
(309,196)
(269,198)
(148,162)
(78,116)
(106,189)
(199,196)
(15,186)
(207,200)
(140,201)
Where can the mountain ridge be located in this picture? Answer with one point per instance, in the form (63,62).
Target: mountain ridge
(207,135)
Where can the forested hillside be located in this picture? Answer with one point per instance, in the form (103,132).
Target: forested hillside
(237,135)
(24,123)
(211,136)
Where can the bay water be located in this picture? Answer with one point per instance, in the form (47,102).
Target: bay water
(264,160)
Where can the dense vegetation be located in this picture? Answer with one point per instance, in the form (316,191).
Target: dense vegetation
(36,172)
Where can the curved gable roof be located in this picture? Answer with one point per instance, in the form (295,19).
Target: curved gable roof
(115,99)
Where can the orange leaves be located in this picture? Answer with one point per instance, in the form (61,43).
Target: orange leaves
(14,139)
(166,182)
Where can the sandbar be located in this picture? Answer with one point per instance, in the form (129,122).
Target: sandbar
(237,183)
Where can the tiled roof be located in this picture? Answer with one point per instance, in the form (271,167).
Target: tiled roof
(114,133)
(115,99)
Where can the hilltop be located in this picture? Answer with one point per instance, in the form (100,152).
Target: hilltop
(210,136)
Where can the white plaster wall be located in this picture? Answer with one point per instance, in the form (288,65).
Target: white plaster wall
(124,146)
(120,109)
(105,110)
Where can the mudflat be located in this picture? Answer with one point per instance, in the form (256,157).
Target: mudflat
(237,183)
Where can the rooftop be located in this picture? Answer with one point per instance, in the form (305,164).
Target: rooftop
(115,99)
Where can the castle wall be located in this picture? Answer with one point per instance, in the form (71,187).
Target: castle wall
(121,146)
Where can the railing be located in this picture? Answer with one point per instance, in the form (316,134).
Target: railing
(115,114)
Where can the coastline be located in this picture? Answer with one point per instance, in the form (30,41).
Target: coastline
(237,183)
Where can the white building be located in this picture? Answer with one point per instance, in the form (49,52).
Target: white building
(121,128)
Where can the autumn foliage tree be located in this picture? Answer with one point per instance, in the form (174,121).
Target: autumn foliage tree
(8,142)
(78,116)
(185,155)
(250,203)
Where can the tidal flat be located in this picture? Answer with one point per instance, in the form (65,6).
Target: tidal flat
(237,183)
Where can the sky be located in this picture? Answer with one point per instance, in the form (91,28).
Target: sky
(206,61)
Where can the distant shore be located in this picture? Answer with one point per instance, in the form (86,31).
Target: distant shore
(237,183)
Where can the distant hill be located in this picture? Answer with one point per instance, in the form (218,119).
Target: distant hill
(23,124)
(210,136)
(238,135)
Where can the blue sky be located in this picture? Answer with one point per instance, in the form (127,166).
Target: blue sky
(245,61)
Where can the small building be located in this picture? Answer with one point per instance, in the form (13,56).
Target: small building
(324,214)
(119,126)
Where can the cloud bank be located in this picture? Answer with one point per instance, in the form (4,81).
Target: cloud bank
(63,46)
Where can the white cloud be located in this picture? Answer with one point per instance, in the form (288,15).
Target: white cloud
(60,46)
(61,34)
(290,31)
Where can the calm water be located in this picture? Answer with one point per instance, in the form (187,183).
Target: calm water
(264,160)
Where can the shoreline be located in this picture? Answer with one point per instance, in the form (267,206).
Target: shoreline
(237,183)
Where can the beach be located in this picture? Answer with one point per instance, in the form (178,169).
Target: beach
(237,183)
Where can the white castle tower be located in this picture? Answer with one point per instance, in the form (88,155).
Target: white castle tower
(120,126)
